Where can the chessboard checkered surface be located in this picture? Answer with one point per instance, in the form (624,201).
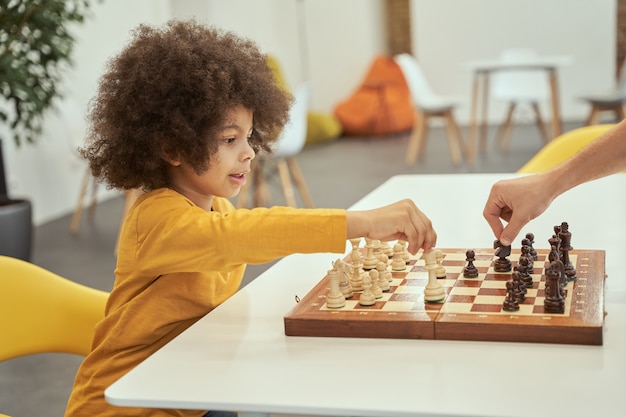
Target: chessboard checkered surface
(471,310)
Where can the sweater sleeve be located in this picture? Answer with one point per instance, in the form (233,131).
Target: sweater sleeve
(176,236)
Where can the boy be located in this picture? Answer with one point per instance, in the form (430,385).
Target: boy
(181,113)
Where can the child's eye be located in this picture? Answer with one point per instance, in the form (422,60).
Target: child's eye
(229,140)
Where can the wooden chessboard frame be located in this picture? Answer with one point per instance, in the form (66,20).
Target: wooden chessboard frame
(582,324)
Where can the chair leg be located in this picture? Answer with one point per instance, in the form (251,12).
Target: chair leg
(416,136)
(300,183)
(503,135)
(75,223)
(454,141)
(285,180)
(594,116)
(540,125)
(620,112)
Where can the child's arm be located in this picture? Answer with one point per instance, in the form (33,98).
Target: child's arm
(401,220)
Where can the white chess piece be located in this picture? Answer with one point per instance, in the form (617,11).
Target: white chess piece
(440,271)
(378,292)
(335,298)
(367,297)
(356,281)
(370,260)
(384,276)
(345,272)
(434,291)
(398,263)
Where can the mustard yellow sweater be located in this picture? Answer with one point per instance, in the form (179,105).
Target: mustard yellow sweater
(176,263)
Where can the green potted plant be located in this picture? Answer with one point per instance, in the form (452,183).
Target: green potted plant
(35,48)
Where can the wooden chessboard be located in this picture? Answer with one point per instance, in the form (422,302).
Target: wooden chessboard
(472,309)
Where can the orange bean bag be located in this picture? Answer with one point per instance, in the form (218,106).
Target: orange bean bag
(381,105)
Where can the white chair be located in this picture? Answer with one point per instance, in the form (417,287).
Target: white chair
(612,100)
(427,105)
(519,86)
(289,143)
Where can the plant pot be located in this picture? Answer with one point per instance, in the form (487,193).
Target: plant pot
(16,229)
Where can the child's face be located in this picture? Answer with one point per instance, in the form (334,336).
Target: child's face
(229,166)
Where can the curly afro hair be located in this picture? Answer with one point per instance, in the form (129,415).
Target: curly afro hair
(167,93)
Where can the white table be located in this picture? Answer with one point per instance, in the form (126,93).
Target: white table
(482,70)
(238,358)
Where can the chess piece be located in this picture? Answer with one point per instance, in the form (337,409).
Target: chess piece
(398,263)
(502,264)
(345,272)
(519,289)
(554,301)
(525,267)
(510,302)
(522,271)
(370,260)
(566,237)
(367,297)
(356,280)
(405,250)
(440,271)
(375,286)
(470,271)
(533,251)
(384,276)
(386,249)
(433,292)
(335,298)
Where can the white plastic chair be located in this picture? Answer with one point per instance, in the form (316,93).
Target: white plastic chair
(289,143)
(428,104)
(612,100)
(519,86)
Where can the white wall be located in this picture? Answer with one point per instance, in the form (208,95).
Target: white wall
(448,33)
(330,42)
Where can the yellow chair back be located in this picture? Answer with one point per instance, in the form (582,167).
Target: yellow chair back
(563,147)
(44,312)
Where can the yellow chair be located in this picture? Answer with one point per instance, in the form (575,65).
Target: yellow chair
(562,148)
(44,312)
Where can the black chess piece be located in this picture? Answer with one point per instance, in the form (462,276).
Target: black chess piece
(519,287)
(502,264)
(510,302)
(531,243)
(554,301)
(470,270)
(566,237)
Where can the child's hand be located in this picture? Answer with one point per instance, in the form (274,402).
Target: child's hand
(401,220)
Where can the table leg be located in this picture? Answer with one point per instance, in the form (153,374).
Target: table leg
(554,92)
(471,140)
(483,122)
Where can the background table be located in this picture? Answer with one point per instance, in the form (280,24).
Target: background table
(482,70)
(238,358)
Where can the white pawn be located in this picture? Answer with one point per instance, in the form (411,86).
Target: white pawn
(367,296)
(355,245)
(398,263)
(440,271)
(405,250)
(335,298)
(383,276)
(434,291)
(378,292)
